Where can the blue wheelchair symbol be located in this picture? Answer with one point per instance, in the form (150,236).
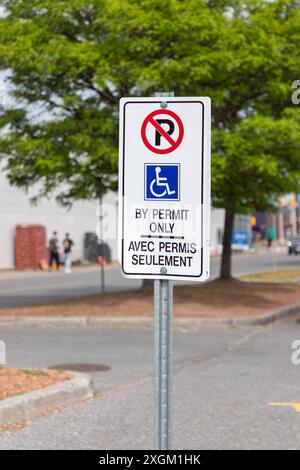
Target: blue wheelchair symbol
(162,182)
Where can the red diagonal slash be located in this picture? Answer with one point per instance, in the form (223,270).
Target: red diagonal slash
(162,132)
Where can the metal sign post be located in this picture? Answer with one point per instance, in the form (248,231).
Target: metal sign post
(163,349)
(163,352)
(164,215)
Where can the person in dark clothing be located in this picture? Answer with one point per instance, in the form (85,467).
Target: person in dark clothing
(67,244)
(54,251)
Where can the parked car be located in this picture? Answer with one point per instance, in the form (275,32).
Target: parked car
(294,246)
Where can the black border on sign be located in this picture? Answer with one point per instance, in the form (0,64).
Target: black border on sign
(123,189)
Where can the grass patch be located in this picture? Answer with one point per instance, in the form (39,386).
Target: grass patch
(35,372)
(217,298)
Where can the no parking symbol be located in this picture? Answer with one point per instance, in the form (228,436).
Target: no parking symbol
(162,131)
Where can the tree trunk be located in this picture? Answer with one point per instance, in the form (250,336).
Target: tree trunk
(147,286)
(226,254)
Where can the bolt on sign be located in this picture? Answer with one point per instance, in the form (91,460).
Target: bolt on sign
(164,188)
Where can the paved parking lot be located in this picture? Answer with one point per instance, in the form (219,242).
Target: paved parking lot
(225,381)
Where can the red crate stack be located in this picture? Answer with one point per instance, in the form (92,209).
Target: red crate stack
(30,246)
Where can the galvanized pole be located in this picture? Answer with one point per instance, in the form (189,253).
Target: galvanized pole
(163,349)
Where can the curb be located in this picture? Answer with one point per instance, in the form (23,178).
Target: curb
(29,405)
(145,322)
(270,317)
(257,320)
(75,321)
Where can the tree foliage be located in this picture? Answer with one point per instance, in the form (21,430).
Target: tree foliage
(69,63)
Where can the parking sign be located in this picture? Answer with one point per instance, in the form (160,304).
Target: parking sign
(164,188)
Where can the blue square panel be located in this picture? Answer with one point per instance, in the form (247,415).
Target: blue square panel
(162,182)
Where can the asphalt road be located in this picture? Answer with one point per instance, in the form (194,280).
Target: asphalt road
(224,382)
(17,289)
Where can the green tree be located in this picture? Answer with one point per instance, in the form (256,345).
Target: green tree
(69,63)
(256,129)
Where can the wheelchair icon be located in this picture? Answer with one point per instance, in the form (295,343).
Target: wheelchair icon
(161,183)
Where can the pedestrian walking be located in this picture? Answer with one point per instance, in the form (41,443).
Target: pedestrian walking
(54,251)
(67,246)
(271,236)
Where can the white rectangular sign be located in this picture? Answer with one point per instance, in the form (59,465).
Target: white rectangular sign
(164,188)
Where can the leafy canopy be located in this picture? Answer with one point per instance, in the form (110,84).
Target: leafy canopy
(69,62)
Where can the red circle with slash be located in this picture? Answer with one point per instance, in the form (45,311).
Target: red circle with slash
(149,120)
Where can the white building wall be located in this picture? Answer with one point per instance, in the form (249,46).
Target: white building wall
(15,209)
